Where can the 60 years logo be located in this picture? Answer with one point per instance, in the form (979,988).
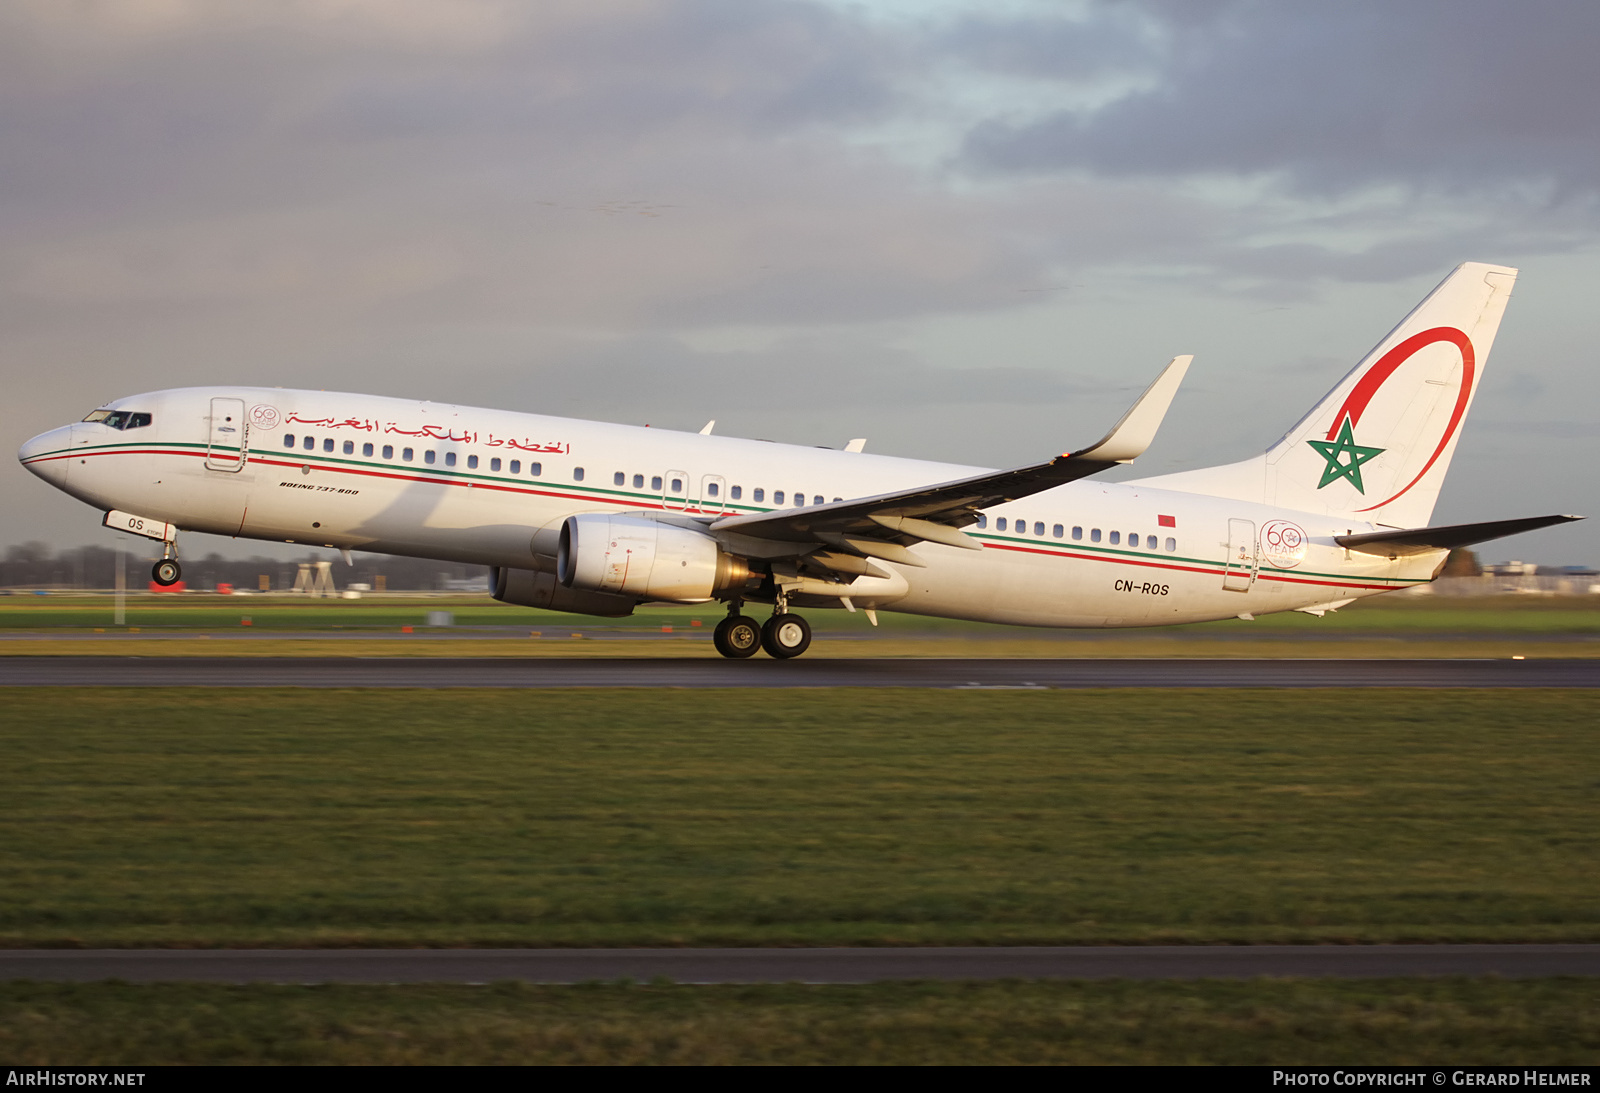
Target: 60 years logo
(1283,543)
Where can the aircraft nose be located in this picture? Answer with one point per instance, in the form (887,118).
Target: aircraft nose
(46,455)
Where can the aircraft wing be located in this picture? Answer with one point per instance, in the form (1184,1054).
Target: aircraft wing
(1393,544)
(882,526)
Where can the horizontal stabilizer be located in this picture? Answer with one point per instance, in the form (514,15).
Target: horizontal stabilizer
(1394,544)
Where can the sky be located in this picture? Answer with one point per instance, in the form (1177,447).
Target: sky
(966,231)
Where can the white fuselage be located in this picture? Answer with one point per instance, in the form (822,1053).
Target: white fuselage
(493,487)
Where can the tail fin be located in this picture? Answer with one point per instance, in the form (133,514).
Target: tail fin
(1376,448)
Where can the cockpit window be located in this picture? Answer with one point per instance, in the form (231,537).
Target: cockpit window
(119,419)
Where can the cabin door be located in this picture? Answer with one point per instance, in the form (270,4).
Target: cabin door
(227,442)
(1240,572)
(713,493)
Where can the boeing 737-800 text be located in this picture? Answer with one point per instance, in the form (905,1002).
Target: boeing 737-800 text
(595,518)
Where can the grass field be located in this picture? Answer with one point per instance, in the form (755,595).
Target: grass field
(1531,614)
(198,817)
(209,625)
(1418,1022)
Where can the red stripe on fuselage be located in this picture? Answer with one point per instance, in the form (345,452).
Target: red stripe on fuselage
(1176,568)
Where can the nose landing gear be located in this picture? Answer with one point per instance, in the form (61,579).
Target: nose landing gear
(167,572)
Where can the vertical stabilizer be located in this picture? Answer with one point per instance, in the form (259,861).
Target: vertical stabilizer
(1376,448)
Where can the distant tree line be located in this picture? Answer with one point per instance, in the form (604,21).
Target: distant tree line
(35,566)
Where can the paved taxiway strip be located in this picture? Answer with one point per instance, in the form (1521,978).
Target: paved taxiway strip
(794,965)
(762,672)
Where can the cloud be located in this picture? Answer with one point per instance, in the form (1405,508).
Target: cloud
(1450,95)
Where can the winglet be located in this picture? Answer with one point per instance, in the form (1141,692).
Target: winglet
(1133,434)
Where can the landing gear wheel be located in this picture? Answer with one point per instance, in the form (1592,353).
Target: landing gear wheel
(166,573)
(737,636)
(786,636)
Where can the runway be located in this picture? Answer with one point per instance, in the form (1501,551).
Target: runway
(974,674)
(837,965)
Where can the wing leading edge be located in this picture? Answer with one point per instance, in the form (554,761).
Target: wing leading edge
(882,526)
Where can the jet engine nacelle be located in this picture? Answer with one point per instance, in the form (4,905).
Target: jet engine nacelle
(647,559)
(533,588)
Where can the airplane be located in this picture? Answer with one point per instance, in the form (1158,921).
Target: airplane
(597,518)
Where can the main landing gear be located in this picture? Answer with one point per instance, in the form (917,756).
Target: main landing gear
(167,572)
(737,636)
(784,635)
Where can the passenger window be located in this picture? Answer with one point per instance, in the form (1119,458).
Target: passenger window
(735,492)
(388,451)
(1150,542)
(638,481)
(677,485)
(309,444)
(619,479)
(1172,544)
(838,498)
(536,469)
(983,521)
(760,495)
(405,454)
(777,497)
(799,500)
(1038,527)
(472,463)
(494,463)
(516,466)
(429,456)
(1094,535)
(366,450)
(711,489)
(577,474)
(349,447)
(817,500)
(655,482)
(1057,531)
(1115,537)
(327,445)
(288,440)
(449,459)
(1077,533)
(1000,523)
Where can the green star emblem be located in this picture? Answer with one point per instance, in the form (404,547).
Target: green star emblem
(1331,450)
